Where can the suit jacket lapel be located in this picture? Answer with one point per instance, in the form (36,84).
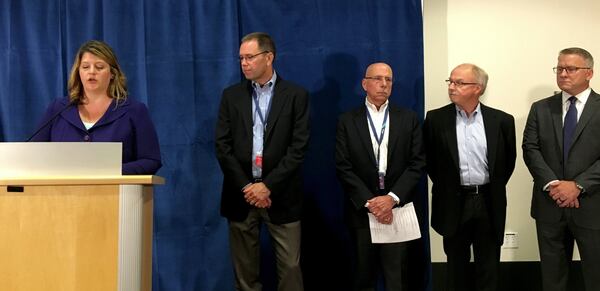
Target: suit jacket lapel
(71,115)
(246,108)
(450,123)
(492,129)
(361,123)
(277,102)
(393,134)
(113,113)
(557,119)
(591,107)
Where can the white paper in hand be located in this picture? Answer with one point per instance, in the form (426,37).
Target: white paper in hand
(404,227)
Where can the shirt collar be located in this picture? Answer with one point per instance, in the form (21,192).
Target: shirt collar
(374,108)
(269,84)
(463,113)
(582,97)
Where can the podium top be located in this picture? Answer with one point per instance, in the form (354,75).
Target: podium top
(83,180)
(57,159)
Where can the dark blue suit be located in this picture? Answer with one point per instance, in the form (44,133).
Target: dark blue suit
(128,123)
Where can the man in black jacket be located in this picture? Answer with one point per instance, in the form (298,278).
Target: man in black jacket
(380,159)
(471,152)
(261,137)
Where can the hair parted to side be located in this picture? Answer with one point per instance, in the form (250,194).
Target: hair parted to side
(117,89)
(264,40)
(589,60)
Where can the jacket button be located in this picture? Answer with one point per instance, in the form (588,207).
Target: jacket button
(86,138)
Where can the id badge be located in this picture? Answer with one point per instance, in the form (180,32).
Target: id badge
(381,180)
(259,160)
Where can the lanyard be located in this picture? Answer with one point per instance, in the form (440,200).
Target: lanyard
(257,105)
(380,138)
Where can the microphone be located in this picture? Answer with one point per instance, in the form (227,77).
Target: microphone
(50,120)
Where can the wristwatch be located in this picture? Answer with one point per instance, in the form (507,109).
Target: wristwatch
(395,198)
(579,187)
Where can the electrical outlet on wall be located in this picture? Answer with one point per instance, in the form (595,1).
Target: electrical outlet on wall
(511,240)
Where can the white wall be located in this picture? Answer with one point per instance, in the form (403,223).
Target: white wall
(517,43)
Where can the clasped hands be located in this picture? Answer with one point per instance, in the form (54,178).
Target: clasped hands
(381,207)
(565,193)
(257,194)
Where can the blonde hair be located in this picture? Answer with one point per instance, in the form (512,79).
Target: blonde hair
(117,88)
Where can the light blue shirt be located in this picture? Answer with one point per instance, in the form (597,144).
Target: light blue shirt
(472,147)
(264,95)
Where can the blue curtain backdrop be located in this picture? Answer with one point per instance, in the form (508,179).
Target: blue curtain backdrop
(178,56)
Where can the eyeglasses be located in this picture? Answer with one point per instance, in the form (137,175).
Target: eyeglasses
(569,70)
(459,84)
(379,79)
(250,58)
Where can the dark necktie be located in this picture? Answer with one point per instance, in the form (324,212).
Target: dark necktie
(569,127)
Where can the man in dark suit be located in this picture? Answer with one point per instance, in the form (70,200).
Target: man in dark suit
(561,147)
(471,152)
(261,137)
(380,159)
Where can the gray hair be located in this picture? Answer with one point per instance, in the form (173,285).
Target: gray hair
(480,75)
(589,60)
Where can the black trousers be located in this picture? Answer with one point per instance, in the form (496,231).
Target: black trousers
(476,230)
(373,259)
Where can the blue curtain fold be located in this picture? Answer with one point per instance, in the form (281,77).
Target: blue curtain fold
(178,56)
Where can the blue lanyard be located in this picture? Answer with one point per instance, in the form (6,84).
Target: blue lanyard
(257,105)
(380,138)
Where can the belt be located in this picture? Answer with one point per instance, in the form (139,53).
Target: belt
(257,180)
(475,189)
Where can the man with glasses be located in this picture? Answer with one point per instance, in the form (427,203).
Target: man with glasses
(471,153)
(261,138)
(379,160)
(561,147)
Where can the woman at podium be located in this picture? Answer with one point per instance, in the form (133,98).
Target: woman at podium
(97,110)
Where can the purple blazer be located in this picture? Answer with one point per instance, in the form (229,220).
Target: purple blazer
(128,123)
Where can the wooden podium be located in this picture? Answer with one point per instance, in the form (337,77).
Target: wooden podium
(77,233)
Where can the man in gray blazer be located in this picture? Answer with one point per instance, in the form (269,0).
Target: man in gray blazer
(561,147)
